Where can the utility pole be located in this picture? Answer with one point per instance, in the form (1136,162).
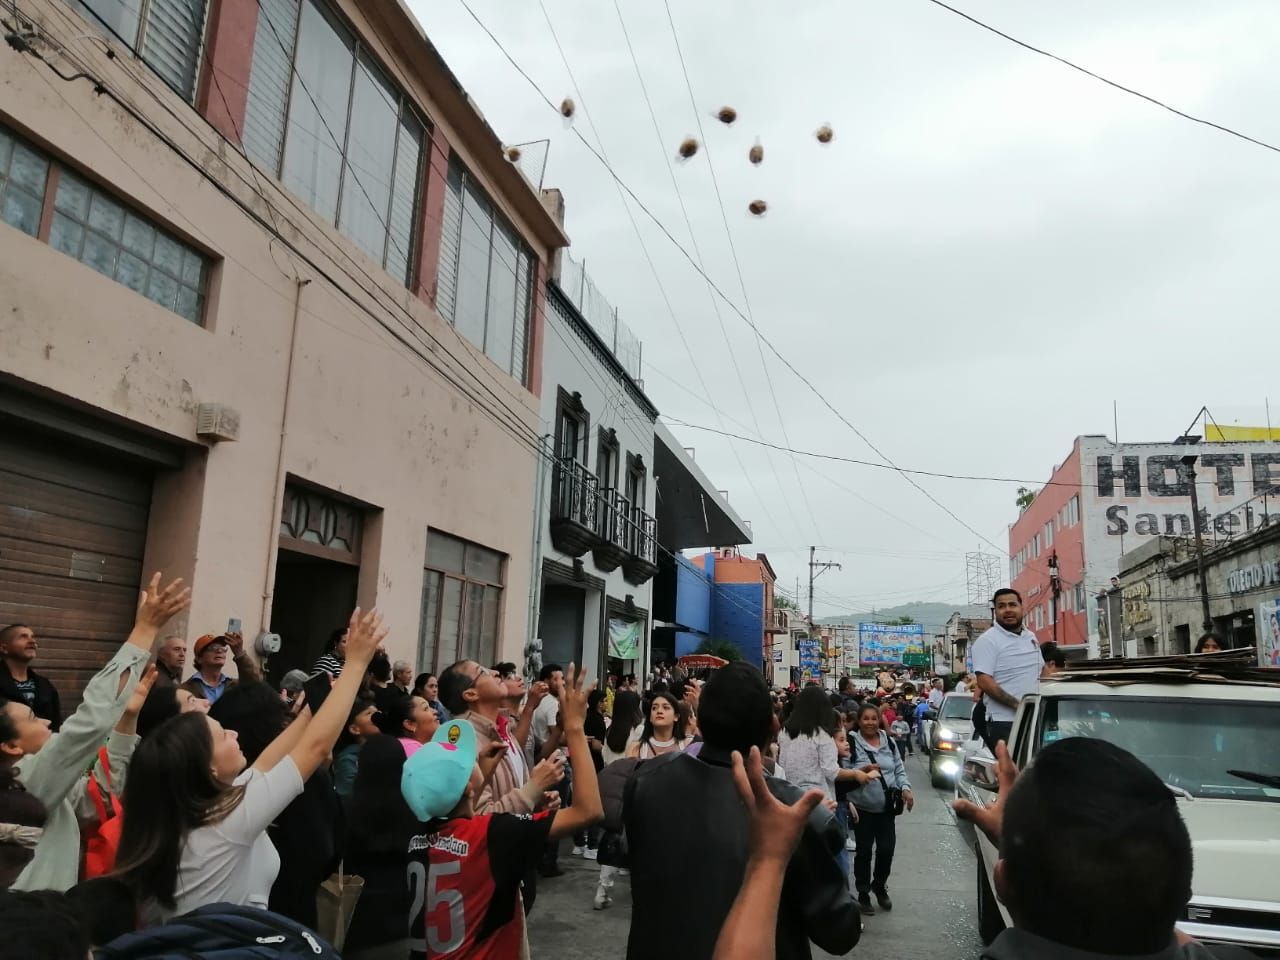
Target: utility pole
(1189,461)
(816,569)
(1055,584)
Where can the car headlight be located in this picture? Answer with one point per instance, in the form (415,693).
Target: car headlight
(946,733)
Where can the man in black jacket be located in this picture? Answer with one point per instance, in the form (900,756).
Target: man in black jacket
(19,682)
(687,832)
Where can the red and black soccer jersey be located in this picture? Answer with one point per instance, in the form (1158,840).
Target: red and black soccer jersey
(464,882)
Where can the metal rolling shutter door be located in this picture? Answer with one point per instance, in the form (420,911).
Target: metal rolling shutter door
(72,531)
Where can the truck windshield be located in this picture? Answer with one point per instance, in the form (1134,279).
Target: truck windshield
(956,708)
(1190,744)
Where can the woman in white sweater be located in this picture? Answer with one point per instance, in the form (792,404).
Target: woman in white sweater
(807,747)
(51,766)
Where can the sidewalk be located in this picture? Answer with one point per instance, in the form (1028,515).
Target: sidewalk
(932,888)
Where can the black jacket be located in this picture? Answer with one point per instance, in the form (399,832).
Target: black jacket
(47,706)
(687,832)
(308,835)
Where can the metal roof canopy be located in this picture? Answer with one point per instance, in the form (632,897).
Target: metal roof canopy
(690,512)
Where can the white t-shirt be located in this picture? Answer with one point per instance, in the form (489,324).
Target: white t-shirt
(1013,660)
(544,718)
(233,861)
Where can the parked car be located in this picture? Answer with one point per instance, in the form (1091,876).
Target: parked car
(952,727)
(1215,743)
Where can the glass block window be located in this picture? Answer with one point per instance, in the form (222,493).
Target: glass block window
(24,175)
(86,222)
(98,230)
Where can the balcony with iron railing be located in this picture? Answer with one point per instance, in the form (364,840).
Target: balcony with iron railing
(611,507)
(777,621)
(641,562)
(574,513)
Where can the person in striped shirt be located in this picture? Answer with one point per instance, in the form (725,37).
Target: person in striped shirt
(335,655)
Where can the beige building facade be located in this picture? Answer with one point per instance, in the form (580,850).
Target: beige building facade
(301,379)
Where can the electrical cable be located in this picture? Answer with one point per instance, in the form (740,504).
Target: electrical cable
(680,247)
(1111,83)
(620,186)
(134,112)
(412,323)
(733,251)
(697,252)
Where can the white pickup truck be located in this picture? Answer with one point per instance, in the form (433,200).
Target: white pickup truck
(1212,737)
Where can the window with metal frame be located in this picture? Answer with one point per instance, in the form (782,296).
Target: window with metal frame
(485,284)
(573,422)
(325,117)
(167,35)
(461,603)
(44,199)
(607,459)
(636,480)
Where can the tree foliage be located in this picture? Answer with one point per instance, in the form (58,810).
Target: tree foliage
(1025,498)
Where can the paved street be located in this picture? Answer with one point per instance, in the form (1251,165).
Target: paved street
(932,888)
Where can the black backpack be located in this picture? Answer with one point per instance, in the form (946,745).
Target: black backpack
(221,931)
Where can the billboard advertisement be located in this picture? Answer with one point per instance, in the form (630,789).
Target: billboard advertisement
(880,644)
(810,660)
(1268,626)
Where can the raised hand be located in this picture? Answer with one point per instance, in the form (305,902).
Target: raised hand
(548,772)
(157,606)
(991,819)
(365,633)
(775,826)
(537,693)
(140,691)
(573,702)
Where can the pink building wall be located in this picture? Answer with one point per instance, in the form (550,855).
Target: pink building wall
(368,419)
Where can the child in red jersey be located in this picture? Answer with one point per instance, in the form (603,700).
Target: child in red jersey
(464,869)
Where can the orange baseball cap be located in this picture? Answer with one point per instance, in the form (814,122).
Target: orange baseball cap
(209,638)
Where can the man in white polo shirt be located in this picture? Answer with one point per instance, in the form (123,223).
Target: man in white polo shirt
(1007,661)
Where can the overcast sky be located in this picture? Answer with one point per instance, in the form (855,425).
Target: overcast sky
(992,250)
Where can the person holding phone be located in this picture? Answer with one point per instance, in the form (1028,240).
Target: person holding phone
(210,655)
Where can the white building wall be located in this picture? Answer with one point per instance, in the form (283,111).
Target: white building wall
(568,362)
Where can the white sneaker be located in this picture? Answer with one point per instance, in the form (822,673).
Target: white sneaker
(577,851)
(624,872)
(591,854)
(602,899)
(850,845)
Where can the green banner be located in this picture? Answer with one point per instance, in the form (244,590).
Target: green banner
(624,639)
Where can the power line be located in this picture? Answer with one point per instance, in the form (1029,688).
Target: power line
(715,304)
(667,233)
(535,447)
(512,426)
(733,251)
(835,483)
(620,186)
(1111,83)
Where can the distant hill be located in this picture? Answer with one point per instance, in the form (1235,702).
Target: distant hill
(932,615)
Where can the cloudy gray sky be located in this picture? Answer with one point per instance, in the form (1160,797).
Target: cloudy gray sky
(992,250)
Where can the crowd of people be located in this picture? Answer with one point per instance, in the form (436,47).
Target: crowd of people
(169,810)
